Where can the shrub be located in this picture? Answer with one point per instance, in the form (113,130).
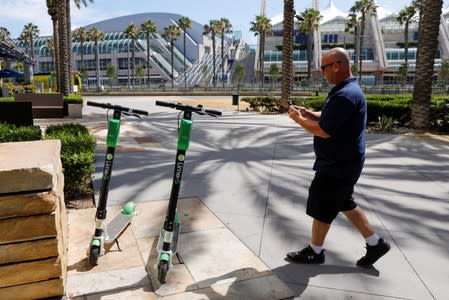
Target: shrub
(29,88)
(73,98)
(11,88)
(384,124)
(440,114)
(77,156)
(12,133)
(72,128)
(262,103)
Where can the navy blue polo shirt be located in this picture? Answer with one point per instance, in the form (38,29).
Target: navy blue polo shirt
(343,117)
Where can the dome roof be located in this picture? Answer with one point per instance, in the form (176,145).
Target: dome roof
(332,12)
(161,20)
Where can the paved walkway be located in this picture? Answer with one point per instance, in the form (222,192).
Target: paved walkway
(252,171)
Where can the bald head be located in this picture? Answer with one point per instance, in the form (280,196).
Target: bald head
(339,71)
(338,54)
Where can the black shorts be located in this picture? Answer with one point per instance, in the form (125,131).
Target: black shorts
(328,196)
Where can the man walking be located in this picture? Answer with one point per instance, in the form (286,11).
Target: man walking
(339,145)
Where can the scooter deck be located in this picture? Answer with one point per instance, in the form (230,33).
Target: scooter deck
(116,226)
(174,243)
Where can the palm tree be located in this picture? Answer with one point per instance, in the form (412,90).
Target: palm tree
(225,27)
(132,32)
(405,17)
(111,73)
(4,34)
(50,45)
(353,26)
(96,35)
(184,24)
(274,73)
(287,50)
(443,73)
(260,27)
(59,10)
(148,27)
(31,32)
(428,44)
(53,12)
(171,32)
(419,7)
(363,7)
(310,22)
(212,28)
(81,35)
(239,72)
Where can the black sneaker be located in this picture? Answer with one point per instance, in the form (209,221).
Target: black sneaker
(306,256)
(373,253)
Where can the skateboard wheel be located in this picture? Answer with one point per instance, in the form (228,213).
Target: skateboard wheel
(129,208)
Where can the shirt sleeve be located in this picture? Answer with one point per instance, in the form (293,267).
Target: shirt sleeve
(335,112)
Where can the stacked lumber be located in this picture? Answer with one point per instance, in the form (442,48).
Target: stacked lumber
(33,221)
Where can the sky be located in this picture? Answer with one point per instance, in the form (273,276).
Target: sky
(14,14)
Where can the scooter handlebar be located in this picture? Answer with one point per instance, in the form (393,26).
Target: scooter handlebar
(117,107)
(198,109)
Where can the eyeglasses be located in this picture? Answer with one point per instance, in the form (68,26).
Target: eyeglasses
(323,67)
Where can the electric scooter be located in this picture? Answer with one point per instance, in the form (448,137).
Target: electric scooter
(169,235)
(107,234)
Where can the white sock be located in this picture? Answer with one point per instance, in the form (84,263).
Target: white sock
(372,240)
(316,249)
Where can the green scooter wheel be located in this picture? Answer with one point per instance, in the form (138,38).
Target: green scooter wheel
(162,269)
(93,255)
(129,208)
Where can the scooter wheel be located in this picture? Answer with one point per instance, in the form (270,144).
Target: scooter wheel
(93,255)
(162,271)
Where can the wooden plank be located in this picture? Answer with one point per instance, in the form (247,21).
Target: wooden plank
(27,272)
(35,290)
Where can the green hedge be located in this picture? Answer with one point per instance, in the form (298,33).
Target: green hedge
(77,156)
(12,133)
(397,107)
(73,99)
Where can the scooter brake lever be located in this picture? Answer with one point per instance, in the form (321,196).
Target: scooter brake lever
(132,115)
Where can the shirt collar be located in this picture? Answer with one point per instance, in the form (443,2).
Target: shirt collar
(342,84)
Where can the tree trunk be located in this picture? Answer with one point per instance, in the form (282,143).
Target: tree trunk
(53,12)
(63,48)
(172,42)
(362,33)
(222,59)
(69,48)
(287,50)
(184,56)
(428,43)
(148,59)
(261,57)
(309,55)
(214,77)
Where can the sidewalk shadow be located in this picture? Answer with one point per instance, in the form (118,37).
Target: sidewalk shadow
(297,276)
(238,284)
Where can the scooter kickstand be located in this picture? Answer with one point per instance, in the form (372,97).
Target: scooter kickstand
(181,261)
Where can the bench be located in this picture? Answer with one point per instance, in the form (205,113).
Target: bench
(44,105)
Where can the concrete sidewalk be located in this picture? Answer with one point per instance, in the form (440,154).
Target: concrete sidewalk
(252,172)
